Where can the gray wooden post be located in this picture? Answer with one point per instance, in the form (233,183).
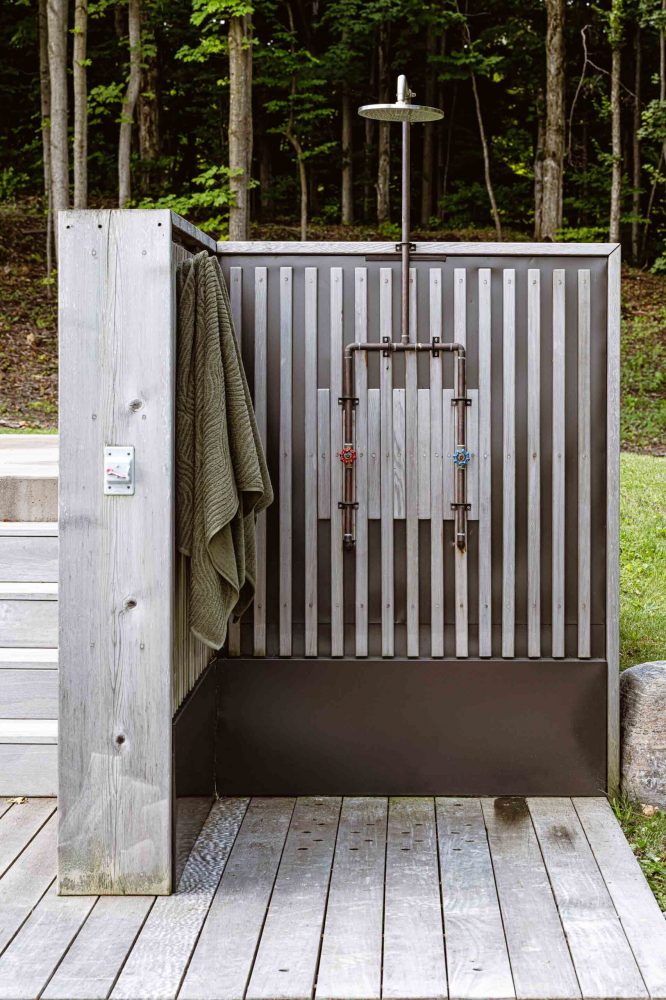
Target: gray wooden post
(116,322)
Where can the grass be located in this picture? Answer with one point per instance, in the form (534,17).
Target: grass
(647,838)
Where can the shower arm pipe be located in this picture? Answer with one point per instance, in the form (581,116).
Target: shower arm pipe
(348,401)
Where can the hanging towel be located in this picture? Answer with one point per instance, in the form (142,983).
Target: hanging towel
(222,479)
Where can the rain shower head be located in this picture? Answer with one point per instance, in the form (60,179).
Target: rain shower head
(402,110)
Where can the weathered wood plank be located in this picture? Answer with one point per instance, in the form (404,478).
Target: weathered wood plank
(460,556)
(533,462)
(117,379)
(558,460)
(613,519)
(540,959)
(26,881)
(603,960)
(19,826)
(362,462)
(236,301)
(436,475)
(350,967)
(509,463)
(337,583)
(386,461)
(423,403)
(477,960)
(286,963)
(286,450)
(484,463)
(414,964)
(222,961)
(324,453)
(29,961)
(29,558)
(399,455)
(156,965)
(261,413)
(460,249)
(91,965)
(411,475)
(28,622)
(28,694)
(638,910)
(374,455)
(28,768)
(584,466)
(311,343)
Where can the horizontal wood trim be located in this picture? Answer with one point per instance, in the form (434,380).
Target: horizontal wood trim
(28,731)
(28,694)
(26,622)
(39,529)
(29,558)
(448,249)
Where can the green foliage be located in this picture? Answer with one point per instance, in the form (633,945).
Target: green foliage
(647,838)
(212,196)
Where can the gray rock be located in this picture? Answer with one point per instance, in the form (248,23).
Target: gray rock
(643,732)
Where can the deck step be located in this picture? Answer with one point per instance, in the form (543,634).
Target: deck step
(28,757)
(28,477)
(29,551)
(28,614)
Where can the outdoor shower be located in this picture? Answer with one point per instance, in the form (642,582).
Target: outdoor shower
(405,112)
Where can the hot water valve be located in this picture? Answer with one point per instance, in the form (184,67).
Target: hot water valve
(119,470)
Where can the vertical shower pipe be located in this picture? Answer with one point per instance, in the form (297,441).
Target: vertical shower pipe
(404,95)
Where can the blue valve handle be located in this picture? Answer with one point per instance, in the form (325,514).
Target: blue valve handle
(461,457)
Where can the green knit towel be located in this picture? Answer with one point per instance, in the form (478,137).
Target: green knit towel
(222,479)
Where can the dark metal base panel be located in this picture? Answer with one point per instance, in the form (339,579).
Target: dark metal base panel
(411,727)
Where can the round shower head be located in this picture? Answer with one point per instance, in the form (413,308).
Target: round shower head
(400,112)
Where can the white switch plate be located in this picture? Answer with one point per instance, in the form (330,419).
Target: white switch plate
(118,469)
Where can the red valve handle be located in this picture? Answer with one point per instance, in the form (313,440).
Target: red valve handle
(347,455)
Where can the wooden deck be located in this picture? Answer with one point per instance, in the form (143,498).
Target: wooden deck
(346,900)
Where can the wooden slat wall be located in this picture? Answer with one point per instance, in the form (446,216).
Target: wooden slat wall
(386,462)
(311,606)
(286,334)
(484,465)
(509,460)
(558,459)
(261,413)
(361,389)
(460,557)
(337,587)
(436,476)
(533,462)
(584,470)
(411,474)
(236,298)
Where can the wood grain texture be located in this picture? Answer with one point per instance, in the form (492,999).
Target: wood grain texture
(28,622)
(423,403)
(224,953)
(311,606)
(28,694)
(603,960)
(350,966)
(386,461)
(414,962)
(117,367)
(374,455)
(399,455)
(540,959)
(460,556)
(533,462)
(362,462)
(285,475)
(642,920)
(26,881)
(29,558)
(559,461)
(411,476)
(485,464)
(509,463)
(28,768)
(436,475)
(337,583)
(324,453)
(261,413)
(236,301)
(286,963)
(156,965)
(91,965)
(19,825)
(460,249)
(613,519)
(584,466)
(477,960)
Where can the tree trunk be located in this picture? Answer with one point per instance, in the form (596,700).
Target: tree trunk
(148,110)
(662,100)
(553,159)
(347,168)
(80,80)
(57,49)
(45,111)
(616,124)
(486,160)
(636,149)
(240,124)
(129,103)
(538,164)
(384,140)
(428,134)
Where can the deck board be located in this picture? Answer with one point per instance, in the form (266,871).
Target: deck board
(540,898)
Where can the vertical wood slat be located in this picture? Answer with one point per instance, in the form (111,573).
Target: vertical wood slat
(286,339)
(584,469)
(449,446)
(436,475)
(558,459)
(460,557)
(484,464)
(399,455)
(533,462)
(361,437)
(423,402)
(323,457)
(311,630)
(386,460)
(236,300)
(374,456)
(509,460)
(261,412)
(613,518)
(337,345)
(411,476)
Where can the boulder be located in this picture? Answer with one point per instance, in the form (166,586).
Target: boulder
(643,732)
